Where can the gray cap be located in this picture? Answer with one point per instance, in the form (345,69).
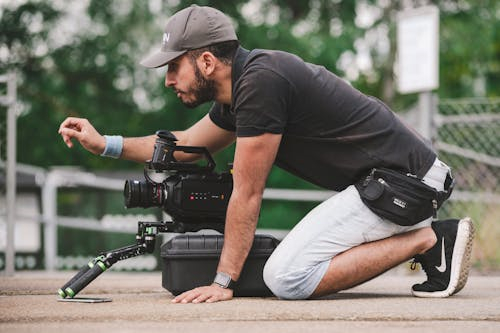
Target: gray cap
(191,28)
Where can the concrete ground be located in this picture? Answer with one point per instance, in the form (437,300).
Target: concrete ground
(28,303)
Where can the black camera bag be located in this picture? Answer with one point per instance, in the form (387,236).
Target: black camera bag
(401,198)
(190,261)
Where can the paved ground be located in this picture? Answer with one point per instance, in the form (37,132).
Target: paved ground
(28,303)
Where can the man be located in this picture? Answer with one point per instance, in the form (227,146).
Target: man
(281,110)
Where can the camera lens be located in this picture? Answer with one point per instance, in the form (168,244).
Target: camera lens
(142,194)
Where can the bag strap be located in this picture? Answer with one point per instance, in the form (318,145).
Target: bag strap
(449,185)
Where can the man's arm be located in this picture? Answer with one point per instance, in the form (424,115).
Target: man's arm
(204,133)
(253,160)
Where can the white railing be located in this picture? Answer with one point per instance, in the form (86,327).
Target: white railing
(60,178)
(9,100)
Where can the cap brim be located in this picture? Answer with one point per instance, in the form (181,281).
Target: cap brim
(160,59)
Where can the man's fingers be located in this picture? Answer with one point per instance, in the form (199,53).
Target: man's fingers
(68,142)
(182,298)
(70,128)
(68,134)
(71,122)
(212,299)
(202,298)
(197,295)
(178,298)
(193,294)
(209,294)
(67,139)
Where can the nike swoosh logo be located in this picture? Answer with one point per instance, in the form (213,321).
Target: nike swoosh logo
(442,268)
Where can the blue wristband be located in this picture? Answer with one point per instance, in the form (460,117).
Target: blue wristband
(114,146)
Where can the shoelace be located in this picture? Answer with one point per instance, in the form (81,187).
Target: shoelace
(418,259)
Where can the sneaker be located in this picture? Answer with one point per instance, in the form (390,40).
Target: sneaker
(447,263)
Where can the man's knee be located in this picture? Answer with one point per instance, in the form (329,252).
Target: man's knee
(278,282)
(286,283)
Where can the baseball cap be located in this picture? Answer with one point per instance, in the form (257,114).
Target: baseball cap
(188,29)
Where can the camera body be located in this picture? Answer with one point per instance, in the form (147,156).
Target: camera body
(192,194)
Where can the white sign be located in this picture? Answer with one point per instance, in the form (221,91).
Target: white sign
(418,50)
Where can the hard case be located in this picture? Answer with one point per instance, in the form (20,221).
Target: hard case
(191,261)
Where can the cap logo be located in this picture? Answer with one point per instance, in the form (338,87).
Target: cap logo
(166,37)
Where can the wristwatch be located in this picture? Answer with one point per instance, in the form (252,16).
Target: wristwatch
(224,280)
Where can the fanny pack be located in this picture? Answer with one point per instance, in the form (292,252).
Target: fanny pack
(401,198)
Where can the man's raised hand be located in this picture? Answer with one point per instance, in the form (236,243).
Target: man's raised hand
(83,131)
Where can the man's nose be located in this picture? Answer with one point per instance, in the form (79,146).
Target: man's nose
(169,80)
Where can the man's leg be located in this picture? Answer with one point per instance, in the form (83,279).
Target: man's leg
(366,261)
(340,243)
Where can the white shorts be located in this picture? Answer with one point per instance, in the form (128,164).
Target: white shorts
(298,264)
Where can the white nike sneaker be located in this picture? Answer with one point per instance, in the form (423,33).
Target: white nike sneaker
(447,263)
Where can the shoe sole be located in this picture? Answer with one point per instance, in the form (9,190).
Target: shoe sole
(460,261)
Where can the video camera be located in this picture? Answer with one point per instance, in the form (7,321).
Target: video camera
(194,195)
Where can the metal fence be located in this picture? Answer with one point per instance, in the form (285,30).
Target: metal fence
(467,137)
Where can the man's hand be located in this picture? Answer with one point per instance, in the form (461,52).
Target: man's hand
(208,294)
(82,130)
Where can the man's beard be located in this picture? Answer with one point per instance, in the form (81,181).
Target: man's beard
(203,91)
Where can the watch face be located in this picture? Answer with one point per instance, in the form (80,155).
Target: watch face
(222,279)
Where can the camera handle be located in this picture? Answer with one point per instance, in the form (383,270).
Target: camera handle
(145,243)
(163,155)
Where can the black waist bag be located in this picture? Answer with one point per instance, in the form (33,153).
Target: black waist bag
(402,199)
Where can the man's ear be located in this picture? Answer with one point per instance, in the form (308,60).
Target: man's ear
(207,63)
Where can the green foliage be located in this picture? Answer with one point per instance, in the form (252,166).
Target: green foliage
(470,49)
(92,70)
(278,214)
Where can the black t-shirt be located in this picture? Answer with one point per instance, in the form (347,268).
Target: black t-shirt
(332,133)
